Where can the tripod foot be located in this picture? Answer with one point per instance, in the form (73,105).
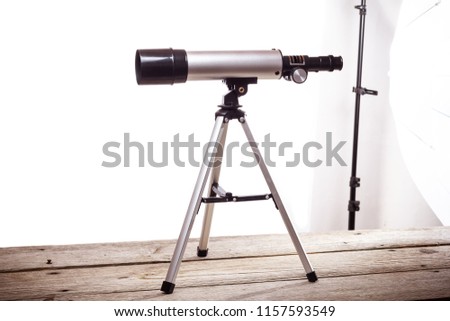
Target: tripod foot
(167,287)
(312,277)
(202,253)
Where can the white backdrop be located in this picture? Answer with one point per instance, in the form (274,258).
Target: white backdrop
(421,105)
(68,86)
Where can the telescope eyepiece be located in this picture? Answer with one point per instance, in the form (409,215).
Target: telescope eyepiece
(323,63)
(296,68)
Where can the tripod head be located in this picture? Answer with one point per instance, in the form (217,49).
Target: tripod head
(238,87)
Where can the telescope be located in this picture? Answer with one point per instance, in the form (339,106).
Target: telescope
(170,66)
(237,69)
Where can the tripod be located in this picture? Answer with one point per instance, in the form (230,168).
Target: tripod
(229,110)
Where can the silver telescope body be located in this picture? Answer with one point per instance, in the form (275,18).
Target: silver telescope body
(169,66)
(211,65)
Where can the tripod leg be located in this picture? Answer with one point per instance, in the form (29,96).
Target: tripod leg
(194,205)
(202,249)
(310,274)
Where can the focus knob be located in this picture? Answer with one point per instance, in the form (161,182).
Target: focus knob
(299,75)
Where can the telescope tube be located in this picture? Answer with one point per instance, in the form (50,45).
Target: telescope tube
(169,66)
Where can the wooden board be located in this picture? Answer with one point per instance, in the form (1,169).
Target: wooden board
(356,265)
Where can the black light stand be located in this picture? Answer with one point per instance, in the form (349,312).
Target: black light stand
(353,204)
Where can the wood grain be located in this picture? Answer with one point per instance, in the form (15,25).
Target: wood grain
(37,257)
(356,265)
(413,285)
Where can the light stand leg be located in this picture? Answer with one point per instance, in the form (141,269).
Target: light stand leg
(310,274)
(202,249)
(194,205)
